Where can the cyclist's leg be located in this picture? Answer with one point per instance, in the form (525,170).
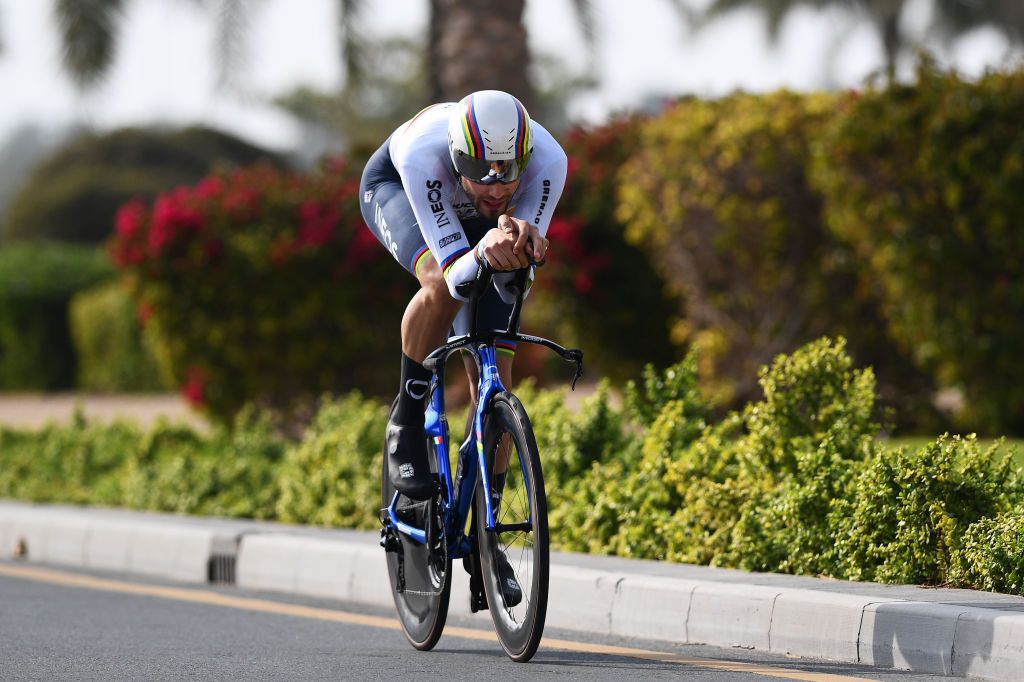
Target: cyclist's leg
(389,216)
(430,313)
(428,316)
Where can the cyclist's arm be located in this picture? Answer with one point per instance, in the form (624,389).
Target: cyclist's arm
(536,207)
(429,195)
(538,201)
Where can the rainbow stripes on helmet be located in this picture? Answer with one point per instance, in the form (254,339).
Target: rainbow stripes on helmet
(471,129)
(490,125)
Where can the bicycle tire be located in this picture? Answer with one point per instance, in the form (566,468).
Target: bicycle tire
(519,626)
(423,605)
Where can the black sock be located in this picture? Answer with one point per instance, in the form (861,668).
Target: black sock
(412,392)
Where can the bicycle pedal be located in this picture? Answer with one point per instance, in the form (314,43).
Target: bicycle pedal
(389,540)
(477,601)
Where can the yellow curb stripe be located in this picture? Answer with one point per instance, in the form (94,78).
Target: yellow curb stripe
(55,577)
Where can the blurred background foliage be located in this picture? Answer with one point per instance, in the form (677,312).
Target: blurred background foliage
(741,227)
(72,194)
(929,199)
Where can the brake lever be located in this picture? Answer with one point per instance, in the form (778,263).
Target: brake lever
(575,355)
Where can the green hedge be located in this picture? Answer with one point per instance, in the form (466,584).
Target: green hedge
(924,182)
(795,482)
(37,281)
(717,194)
(332,478)
(168,468)
(887,216)
(991,555)
(114,354)
(909,511)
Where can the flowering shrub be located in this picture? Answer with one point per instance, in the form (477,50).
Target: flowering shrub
(264,286)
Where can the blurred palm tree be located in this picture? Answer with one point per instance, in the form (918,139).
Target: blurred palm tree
(471,44)
(952,18)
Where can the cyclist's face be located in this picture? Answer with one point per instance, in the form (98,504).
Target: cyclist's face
(490,200)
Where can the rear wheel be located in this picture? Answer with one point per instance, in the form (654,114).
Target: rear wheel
(420,575)
(518,545)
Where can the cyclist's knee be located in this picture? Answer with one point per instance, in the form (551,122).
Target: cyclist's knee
(432,282)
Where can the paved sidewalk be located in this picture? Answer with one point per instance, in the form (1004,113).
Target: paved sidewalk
(951,632)
(35,410)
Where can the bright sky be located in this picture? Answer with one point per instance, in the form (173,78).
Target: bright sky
(165,70)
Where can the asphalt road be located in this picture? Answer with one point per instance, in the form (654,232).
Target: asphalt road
(57,623)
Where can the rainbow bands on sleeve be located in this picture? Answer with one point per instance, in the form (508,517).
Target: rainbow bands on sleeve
(417,259)
(471,129)
(450,261)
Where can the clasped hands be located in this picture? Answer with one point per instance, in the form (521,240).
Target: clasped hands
(513,244)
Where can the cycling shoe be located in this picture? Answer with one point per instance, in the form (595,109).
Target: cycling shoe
(511,592)
(408,469)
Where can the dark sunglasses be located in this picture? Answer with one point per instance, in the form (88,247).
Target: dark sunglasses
(485,172)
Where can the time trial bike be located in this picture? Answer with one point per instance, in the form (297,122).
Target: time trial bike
(505,547)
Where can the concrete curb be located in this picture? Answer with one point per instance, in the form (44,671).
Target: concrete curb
(949,632)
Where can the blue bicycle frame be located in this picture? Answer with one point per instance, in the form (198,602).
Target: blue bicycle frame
(458,496)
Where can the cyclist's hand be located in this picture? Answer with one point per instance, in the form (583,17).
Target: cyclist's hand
(499,250)
(528,237)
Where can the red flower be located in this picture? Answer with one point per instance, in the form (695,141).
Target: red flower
(364,247)
(125,254)
(583,284)
(319,222)
(172,218)
(194,388)
(209,188)
(565,234)
(130,218)
(242,202)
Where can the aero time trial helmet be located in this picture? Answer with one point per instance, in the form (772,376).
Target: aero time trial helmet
(490,137)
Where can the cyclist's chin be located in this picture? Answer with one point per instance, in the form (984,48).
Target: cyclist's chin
(489,209)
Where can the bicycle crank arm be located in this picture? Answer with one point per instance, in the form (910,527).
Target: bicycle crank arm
(511,527)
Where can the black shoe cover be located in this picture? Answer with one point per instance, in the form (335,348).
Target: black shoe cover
(407,461)
(511,593)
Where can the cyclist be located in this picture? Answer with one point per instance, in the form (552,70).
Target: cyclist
(457,185)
